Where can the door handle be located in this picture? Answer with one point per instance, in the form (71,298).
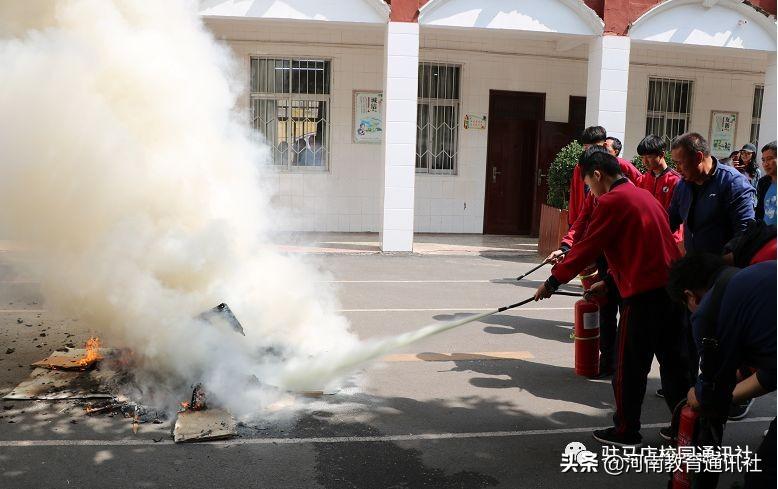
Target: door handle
(495,172)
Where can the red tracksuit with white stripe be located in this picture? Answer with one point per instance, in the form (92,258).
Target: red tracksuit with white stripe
(582,203)
(661,187)
(578,194)
(631,228)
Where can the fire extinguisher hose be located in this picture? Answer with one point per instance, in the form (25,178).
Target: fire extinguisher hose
(544,262)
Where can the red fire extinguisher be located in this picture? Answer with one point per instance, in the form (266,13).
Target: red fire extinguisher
(587,338)
(590,276)
(685,425)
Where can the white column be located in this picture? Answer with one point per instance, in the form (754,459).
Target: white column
(401,73)
(767,124)
(606,84)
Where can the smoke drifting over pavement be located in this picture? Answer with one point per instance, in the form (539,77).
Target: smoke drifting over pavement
(137,189)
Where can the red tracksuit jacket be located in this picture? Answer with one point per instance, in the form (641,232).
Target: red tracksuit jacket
(578,196)
(631,228)
(578,225)
(662,187)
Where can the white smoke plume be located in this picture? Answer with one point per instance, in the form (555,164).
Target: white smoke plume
(136,186)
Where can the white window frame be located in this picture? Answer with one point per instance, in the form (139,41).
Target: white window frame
(291,97)
(670,113)
(441,102)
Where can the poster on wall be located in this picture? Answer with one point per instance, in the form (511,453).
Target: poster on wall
(475,121)
(723,130)
(368,125)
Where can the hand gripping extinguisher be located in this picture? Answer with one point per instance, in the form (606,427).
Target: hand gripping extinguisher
(587,338)
(685,427)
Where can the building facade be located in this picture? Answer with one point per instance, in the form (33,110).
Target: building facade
(443,115)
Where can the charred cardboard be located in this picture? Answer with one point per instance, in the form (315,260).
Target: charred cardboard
(208,424)
(222,314)
(48,384)
(69,360)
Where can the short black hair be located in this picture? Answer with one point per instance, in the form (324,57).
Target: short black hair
(769,147)
(593,135)
(691,142)
(616,144)
(695,271)
(598,158)
(652,145)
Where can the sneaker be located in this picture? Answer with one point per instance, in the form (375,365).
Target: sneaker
(609,436)
(667,433)
(739,410)
(660,393)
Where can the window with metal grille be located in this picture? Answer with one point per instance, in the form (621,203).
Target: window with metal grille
(437,118)
(756,113)
(669,107)
(290,101)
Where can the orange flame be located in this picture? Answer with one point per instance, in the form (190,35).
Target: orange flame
(92,352)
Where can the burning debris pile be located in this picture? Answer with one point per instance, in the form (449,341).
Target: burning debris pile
(102,380)
(137,215)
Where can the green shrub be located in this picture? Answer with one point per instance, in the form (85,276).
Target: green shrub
(560,173)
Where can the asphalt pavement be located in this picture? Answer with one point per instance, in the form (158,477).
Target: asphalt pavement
(490,404)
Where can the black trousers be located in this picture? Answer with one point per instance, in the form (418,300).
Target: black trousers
(608,336)
(608,320)
(651,324)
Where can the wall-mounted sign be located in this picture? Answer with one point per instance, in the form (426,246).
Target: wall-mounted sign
(368,125)
(723,130)
(475,121)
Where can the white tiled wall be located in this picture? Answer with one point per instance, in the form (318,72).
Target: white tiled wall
(348,196)
(721,82)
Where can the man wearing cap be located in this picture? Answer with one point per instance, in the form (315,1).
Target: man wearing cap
(747,165)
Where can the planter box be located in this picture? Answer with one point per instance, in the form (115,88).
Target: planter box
(553,227)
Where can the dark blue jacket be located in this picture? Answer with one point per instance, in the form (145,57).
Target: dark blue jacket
(745,330)
(721,210)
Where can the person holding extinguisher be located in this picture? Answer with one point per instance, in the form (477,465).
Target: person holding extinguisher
(733,323)
(582,210)
(628,222)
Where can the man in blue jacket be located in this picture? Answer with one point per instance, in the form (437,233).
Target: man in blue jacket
(714,202)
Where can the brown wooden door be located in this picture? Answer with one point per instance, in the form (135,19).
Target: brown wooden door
(510,161)
(552,137)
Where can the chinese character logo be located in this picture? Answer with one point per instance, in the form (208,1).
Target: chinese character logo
(576,458)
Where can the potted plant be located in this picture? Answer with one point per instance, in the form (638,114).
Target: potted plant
(553,214)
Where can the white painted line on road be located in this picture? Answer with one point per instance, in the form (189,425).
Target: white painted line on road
(333,439)
(461,309)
